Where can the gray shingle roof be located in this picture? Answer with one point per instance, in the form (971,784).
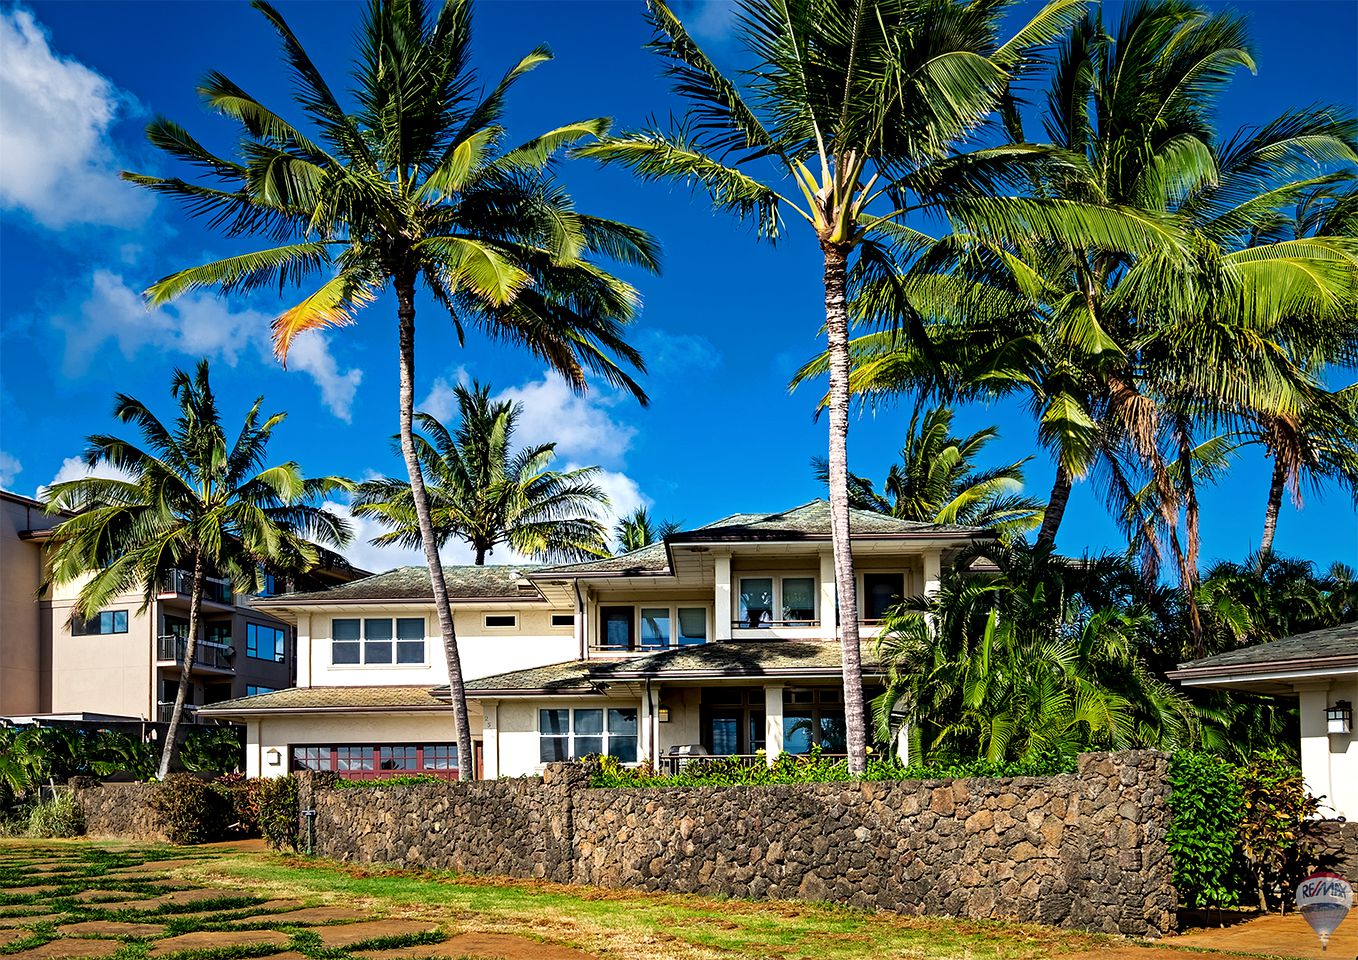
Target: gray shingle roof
(331,698)
(1339,642)
(494,582)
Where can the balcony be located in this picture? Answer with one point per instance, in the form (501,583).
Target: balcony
(166,707)
(213,656)
(215,590)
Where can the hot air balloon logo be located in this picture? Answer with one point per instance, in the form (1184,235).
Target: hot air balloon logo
(1324,900)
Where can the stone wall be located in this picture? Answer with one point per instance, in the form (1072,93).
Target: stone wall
(121,810)
(1338,848)
(1082,850)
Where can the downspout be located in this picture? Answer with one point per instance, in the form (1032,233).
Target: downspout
(650,727)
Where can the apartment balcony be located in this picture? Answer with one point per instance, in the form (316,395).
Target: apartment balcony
(166,707)
(179,583)
(208,656)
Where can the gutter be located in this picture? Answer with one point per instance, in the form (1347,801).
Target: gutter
(1341,663)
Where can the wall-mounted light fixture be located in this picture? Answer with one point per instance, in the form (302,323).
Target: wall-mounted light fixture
(273,756)
(1339,717)
(664,714)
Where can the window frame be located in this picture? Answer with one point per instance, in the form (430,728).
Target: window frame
(394,641)
(512,625)
(562,620)
(81,628)
(903,572)
(777,601)
(673,607)
(428,757)
(604,735)
(255,690)
(280,642)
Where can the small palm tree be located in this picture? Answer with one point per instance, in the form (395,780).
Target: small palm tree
(484,494)
(413,189)
(637,530)
(193,500)
(937,481)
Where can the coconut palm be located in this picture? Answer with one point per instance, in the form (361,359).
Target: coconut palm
(192,500)
(937,481)
(485,494)
(637,530)
(854,107)
(412,188)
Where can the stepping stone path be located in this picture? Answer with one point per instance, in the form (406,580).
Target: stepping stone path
(95,917)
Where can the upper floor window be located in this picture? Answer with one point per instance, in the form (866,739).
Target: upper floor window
(651,628)
(254,691)
(105,621)
(765,601)
(218,632)
(377,640)
(264,642)
(881,592)
(502,620)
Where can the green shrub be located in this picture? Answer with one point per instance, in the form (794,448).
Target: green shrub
(192,810)
(243,794)
(1205,809)
(406,780)
(278,811)
(213,750)
(1277,817)
(60,816)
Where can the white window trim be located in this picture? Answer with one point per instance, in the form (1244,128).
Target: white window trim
(674,606)
(485,621)
(777,576)
(605,735)
(363,639)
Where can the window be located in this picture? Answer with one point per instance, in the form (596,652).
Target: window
(266,643)
(377,641)
(655,628)
(617,630)
(813,718)
(377,761)
(104,622)
(799,599)
(569,734)
(218,633)
(440,757)
(756,601)
(502,620)
(353,759)
(563,619)
(253,691)
(268,584)
(794,601)
(881,591)
(692,626)
(660,628)
(398,758)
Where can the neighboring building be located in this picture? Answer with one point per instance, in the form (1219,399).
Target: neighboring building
(125,661)
(720,640)
(1320,668)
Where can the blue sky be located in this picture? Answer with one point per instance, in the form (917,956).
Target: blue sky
(723,328)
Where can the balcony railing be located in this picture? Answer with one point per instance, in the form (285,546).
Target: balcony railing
(166,707)
(751,624)
(215,655)
(214,589)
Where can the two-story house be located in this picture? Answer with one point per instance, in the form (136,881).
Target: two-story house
(720,640)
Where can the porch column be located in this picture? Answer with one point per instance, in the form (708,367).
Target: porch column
(721,596)
(302,655)
(648,728)
(933,571)
(903,744)
(253,760)
(828,623)
(773,722)
(1315,740)
(490,740)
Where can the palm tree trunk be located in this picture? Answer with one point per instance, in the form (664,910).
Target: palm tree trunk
(405,294)
(837,333)
(1275,502)
(1056,507)
(1192,529)
(185,672)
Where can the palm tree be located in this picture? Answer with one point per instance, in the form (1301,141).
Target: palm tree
(937,481)
(413,188)
(193,500)
(637,530)
(856,105)
(484,494)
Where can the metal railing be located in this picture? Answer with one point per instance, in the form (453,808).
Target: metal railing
(214,589)
(766,624)
(206,654)
(165,708)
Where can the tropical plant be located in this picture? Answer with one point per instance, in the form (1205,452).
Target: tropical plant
(411,188)
(637,530)
(187,499)
(484,493)
(937,481)
(1276,834)
(857,106)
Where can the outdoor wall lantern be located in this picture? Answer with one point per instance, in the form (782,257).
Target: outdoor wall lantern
(1339,718)
(273,756)
(664,714)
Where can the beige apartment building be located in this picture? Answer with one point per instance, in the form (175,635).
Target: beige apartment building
(125,661)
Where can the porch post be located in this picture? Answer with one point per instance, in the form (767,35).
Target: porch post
(490,740)
(301,650)
(253,763)
(721,596)
(648,731)
(773,722)
(933,571)
(1315,740)
(827,595)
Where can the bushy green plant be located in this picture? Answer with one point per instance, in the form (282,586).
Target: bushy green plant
(1277,812)
(243,794)
(279,811)
(408,780)
(192,810)
(59,816)
(213,750)
(113,752)
(1205,805)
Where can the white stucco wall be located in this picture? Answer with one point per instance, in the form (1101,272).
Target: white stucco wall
(1329,761)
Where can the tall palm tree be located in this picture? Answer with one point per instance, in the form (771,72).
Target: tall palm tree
(637,530)
(413,188)
(194,500)
(937,481)
(485,494)
(855,107)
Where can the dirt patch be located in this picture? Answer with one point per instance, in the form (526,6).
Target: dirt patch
(307,916)
(111,928)
(351,933)
(25,891)
(499,946)
(90,896)
(207,939)
(9,936)
(70,950)
(27,919)
(1286,936)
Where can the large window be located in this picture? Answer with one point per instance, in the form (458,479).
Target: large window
(813,718)
(106,621)
(253,691)
(570,734)
(881,592)
(375,761)
(377,640)
(651,628)
(766,601)
(264,642)
(218,632)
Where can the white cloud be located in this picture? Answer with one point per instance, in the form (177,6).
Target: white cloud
(580,426)
(196,325)
(669,354)
(441,403)
(363,554)
(10,467)
(55,116)
(710,19)
(75,468)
